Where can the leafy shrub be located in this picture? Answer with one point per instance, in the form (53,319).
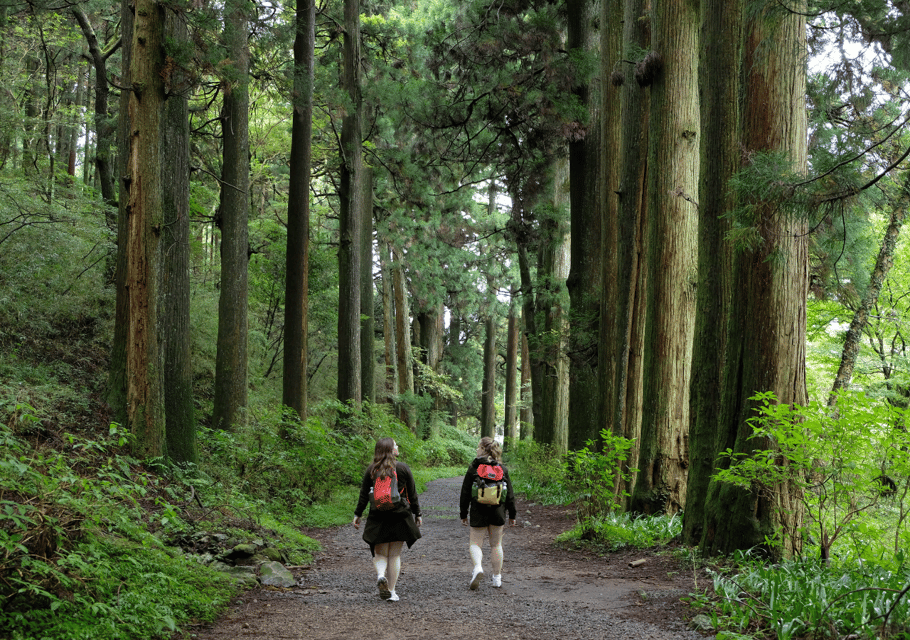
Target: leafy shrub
(537,472)
(613,531)
(593,476)
(841,465)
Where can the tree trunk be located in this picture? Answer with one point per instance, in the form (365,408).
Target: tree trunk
(510,422)
(611,45)
(104,123)
(721,42)
(297,259)
(672,246)
(367,319)
(231,357)
(552,298)
(403,342)
(488,391)
(767,339)
(175,300)
(115,394)
(350,194)
(526,415)
(144,357)
(883,264)
(390,377)
(629,313)
(584,283)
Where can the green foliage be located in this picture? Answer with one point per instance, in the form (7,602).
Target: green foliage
(77,556)
(612,531)
(537,472)
(593,475)
(841,464)
(803,599)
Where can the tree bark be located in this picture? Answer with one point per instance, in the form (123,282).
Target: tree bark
(350,194)
(488,391)
(390,377)
(403,342)
(672,245)
(767,339)
(103,122)
(367,319)
(144,356)
(175,289)
(611,166)
(231,357)
(584,282)
(721,50)
(296,297)
(510,422)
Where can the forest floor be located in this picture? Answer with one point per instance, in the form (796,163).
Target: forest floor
(548,591)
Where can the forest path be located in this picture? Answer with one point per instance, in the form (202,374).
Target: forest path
(547,592)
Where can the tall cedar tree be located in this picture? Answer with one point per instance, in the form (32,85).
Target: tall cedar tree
(767,340)
(721,43)
(294,373)
(231,357)
(350,195)
(672,187)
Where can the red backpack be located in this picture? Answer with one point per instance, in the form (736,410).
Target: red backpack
(489,486)
(384,494)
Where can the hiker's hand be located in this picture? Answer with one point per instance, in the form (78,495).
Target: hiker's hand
(464,521)
(511,522)
(356,522)
(419,520)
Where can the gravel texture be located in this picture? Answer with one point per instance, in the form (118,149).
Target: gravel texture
(547,592)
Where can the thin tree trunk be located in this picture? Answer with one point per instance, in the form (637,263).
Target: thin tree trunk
(510,423)
(403,342)
(526,415)
(390,378)
(488,391)
(296,296)
(231,357)
(367,320)
(103,122)
(883,264)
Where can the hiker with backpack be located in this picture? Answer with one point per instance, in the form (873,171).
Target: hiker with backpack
(394,516)
(487,493)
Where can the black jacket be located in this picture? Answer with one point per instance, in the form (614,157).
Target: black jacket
(483,515)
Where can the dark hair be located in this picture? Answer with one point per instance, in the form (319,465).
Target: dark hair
(383,458)
(491,448)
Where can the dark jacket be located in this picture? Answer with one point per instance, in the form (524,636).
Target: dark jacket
(483,515)
(397,524)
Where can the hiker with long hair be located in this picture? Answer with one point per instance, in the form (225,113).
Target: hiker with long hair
(487,516)
(394,519)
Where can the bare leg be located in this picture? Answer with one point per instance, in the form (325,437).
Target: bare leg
(476,540)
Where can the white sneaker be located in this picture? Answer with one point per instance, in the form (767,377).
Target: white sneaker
(497,581)
(476,578)
(393,597)
(383,585)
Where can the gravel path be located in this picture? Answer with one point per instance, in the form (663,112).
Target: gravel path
(547,592)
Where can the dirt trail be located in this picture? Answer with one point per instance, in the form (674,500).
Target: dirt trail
(547,592)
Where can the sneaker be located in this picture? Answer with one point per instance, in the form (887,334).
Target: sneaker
(393,597)
(497,581)
(476,578)
(383,585)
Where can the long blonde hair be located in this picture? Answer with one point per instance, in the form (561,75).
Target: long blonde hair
(491,448)
(383,458)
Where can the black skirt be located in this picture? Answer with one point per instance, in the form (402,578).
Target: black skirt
(390,526)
